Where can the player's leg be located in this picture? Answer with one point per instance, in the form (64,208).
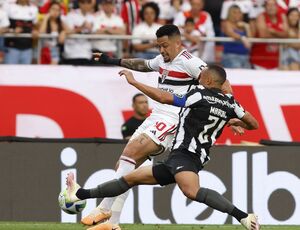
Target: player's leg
(142,175)
(185,167)
(150,138)
(188,182)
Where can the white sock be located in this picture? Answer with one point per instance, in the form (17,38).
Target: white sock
(117,208)
(126,165)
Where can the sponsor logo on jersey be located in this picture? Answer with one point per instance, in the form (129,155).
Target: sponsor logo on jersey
(164,74)
(214,100)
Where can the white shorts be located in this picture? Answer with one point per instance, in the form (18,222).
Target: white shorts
(161,129)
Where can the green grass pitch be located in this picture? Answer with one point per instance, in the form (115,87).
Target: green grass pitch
(59,226)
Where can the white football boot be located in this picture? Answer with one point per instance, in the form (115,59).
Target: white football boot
(250,222)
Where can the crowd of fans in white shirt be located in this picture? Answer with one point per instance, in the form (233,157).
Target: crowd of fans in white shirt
(141,18)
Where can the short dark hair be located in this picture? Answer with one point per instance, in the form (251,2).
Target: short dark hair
(189,20)
(218,71)
(292,9)
(137,95)
(152,5)
(168,30)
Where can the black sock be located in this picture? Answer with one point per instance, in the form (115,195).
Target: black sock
(238,214)
(83,194)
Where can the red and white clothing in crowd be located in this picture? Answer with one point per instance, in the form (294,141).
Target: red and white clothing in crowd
(283,6)
(264,55)
(245,6)
(205,26)
(102,21)
(130,14)
(78,48)
(25,17)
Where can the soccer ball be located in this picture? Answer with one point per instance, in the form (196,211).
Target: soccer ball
(70,207)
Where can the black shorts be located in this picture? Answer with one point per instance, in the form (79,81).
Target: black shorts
(179,160)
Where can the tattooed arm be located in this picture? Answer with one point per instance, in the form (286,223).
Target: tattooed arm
(133,63)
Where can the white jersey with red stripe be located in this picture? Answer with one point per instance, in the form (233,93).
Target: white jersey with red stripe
(176,77)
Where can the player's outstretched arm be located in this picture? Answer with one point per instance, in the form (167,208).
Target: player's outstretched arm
(154,93)
(247,122)
(134,63)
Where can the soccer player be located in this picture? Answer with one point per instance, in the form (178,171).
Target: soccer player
(206,110)
(179,70)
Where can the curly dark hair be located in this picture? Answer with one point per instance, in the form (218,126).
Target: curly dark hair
(152,5)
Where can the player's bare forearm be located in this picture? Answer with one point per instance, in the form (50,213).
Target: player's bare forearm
(154,93)
(135,64)
(247,122)
(238,122)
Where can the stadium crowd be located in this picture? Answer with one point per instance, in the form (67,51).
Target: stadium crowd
(238,19)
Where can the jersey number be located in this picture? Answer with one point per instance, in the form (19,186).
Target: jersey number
(215,125)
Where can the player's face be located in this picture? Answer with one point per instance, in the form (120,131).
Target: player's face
(141,106)
(169,47)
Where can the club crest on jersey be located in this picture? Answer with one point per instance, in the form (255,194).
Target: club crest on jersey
(164,74)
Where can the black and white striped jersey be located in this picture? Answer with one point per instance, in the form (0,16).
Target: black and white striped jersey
(203,119)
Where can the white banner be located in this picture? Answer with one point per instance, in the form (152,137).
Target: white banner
(66,101)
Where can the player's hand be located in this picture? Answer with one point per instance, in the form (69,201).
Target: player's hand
(129,76)
(97,56)
(105,59)
(237,130)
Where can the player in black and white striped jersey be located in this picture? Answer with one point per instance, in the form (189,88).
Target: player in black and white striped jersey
(207,111)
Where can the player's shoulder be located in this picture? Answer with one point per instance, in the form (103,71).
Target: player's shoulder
(191,60)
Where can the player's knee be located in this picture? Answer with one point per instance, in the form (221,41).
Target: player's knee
(130,151)
(189,192)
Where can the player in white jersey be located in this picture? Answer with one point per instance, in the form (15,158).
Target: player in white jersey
(179,70)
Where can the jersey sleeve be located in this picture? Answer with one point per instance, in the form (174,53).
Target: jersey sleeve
(189,100)
(194,66)
(239,110)
(153,64)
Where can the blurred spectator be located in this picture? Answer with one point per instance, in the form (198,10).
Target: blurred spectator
(214,8)
(191,38)
(236,54)
(203,23)
(270,24)
(23,19)
(283,6)
(52,24)
(291,53)
(4,24)
(79,21)
(130,14)
(44,9)
(147,28)
(107,22)
(244,5)
(141,109)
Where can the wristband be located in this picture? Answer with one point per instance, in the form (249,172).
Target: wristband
(105,59)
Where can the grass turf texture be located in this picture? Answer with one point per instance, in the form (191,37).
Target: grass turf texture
(59,226)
